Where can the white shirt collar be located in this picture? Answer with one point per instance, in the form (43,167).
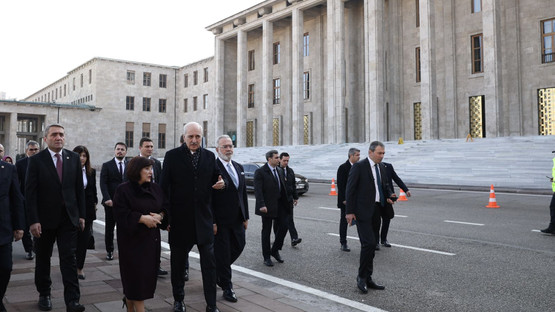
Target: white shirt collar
(52,153)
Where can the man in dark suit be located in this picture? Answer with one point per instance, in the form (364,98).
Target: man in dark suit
(270,191)
(342,175)
(231,216)
(112,174)
(189,175)
(292,197)
(387,213)
(12,225)
(367,191)
(21,165)
(55,204)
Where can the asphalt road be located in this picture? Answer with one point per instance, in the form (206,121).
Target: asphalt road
(449,252)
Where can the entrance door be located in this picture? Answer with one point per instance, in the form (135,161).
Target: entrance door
(546,111)
(477,114)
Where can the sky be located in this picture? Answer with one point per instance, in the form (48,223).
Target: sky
(40,41)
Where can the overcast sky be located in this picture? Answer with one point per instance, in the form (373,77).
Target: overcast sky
(42,40)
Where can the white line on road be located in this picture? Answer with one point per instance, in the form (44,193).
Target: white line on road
(466,223)
(537,231)
(407,247)
(335,209)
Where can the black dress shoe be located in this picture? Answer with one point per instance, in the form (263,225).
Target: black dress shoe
(45,303)
(276,256)
(370,283)
(268,262)
(378,246)
(162,272)
(386,244)
(344,247)
(29,256)
(110,255)
(75,306)
(186,278)
(548,231)
(179,306)
(81,276)
(296,241)
(229,295)
(361,284)
(212,309)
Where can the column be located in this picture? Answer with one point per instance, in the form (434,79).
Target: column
(297,69)
(267,83)
(330,77)
(450,124)
(218,108)
(374,123)
(336,72)
(428,92)
(492,68)
(242,88)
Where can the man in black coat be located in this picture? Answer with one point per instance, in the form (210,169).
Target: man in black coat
(21,165)
(231,216)
(367,191)
(55,204)
(292,197)
(13,223)
(270,191)
(342,175)
(188,178)
(112,174)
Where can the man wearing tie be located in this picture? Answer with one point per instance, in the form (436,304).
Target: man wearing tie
(55,204)
(342,176)
(292,198)
(231,216)
(367,190)
(112,174)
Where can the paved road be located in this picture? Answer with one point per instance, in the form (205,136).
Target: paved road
(449,253)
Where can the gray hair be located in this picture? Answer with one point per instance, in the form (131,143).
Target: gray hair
(31,142)
(50,126)
(375,144)
(191,124)
(223,136)
(353,151)
(271,153)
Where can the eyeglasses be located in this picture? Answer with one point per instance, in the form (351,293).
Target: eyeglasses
(33,149)
(226,146)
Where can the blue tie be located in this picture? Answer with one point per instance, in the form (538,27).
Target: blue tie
(379,180)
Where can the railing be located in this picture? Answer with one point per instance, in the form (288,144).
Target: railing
(548,57)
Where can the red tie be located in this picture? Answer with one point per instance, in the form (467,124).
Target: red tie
(59,165)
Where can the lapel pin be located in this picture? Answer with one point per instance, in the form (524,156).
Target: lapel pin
(67,157)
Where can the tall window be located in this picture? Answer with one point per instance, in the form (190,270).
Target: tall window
(251,60)
(163,80)
(206,74)
(146,104)
(186,80)
(476,6)
(417,62)
(146,79)
(90,76)
(476,42)
(417,3)
(195,103)
(306,41)
(130,103)
(277,90)
(161,135)
(548,39)
(65,89)
(277,50)
(131,77)
(146,130)
(73,83)
(251,96)
(185,104)
(129,134)
(81,80)
(162,105)
(195,77)
(204,101)
(306,85)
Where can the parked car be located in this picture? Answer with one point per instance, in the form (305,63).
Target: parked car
(300,180)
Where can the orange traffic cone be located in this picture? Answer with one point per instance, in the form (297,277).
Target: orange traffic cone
(492,201)
(402,196)
(333,192)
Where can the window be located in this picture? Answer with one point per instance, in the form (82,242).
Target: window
(185,103)
(548,39)
(146,79)
(195,102)
(277,90)
(195,77)
(163,80)
(476,6)
(186,80)
(81,80)
(162,136)
(129,134)
(146,104)
(306,85)
(417,62)
(65,89)
(130,103)
(131,77)
(206,74)
(56,94)
(162,105)
(146,130)
(476,42)
(417,2)
(90,76)
(251,96)
(276,53)
(204,101)
(73,83)
(306,41)
(251,60)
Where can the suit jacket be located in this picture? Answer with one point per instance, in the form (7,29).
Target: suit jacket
(342,176)
(110,178)
(91,196)
(157,170)
(388,212)
(291,185)
(230,204)
(46,196)
(190,194)
(360,191)
(21,166)
(267,192)
(11,203)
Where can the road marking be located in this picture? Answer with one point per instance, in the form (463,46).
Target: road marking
(407,247)
(466,223)
(328,208)
(537,231)
(401,216)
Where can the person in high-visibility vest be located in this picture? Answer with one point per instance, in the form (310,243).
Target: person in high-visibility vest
(551,227)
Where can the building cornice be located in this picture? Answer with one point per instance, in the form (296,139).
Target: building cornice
(54,105)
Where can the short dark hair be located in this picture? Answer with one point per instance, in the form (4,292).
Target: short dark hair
(134,167)
(120,143)
(83,149)
(284,154)
(145,139)
(47,129)
(353,151)
(270,154)
(375,144)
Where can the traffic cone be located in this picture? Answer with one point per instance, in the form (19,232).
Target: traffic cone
(492,201)
(402,196)
(333,192)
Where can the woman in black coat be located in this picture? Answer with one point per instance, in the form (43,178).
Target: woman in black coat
(91,199)
(139,208)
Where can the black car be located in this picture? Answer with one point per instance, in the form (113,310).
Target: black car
(300,180)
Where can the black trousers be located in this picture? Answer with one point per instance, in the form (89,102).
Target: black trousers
(377,220)
(82,244)
(290,226)
(281,224)
(552,212)
(228,245)
(367,248)
(178,260)
(5,267)
(66,237)
(109,228)
(342,227)
(384,229)
(27,240)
